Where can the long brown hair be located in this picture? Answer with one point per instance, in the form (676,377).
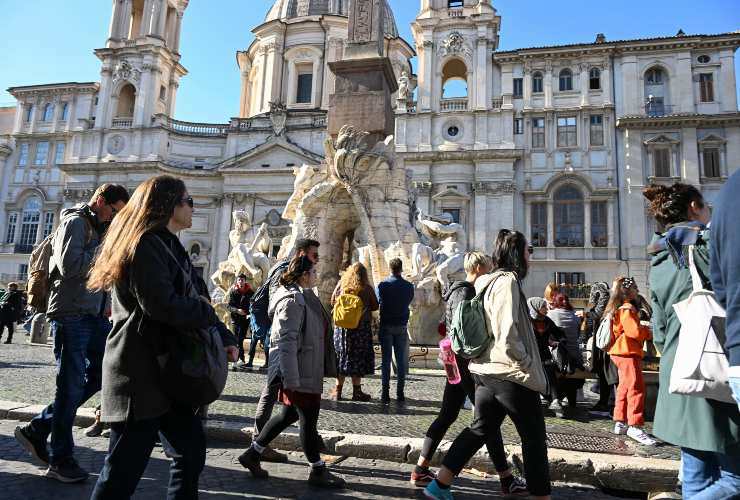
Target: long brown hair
(619,294)
(150,208)
(354,279)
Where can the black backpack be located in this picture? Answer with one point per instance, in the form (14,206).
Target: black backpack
(260,303)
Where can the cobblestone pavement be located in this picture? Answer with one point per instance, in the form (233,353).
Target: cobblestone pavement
(223,477)
(27,375)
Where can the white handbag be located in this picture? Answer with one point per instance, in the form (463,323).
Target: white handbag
(700,367)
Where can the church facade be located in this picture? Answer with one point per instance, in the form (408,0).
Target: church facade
(554,141)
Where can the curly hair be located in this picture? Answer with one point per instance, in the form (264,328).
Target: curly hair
(354,279)
(670,204)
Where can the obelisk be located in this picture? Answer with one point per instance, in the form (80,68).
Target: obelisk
(364,77)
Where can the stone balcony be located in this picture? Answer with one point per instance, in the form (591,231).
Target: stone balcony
(453,104)
(122,123)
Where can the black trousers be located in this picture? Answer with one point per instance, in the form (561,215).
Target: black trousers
(10,325)
(131,444)
(309,417)
(453,400)
(240,330)
(494,400)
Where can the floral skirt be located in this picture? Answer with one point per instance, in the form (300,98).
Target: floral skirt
(355,356)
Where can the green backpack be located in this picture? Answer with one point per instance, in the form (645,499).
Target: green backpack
(469,333)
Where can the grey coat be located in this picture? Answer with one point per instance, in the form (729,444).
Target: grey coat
(73,248)
(298,339)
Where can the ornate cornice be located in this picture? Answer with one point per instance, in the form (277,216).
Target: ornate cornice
(679,120)
(473,156)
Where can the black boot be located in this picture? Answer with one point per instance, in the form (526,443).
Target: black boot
(250,459)
(320,477)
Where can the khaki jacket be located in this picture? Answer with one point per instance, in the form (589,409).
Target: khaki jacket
(513,354)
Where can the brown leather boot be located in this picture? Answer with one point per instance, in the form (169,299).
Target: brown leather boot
(358,395)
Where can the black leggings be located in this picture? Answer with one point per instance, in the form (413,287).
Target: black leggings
(309,417)
(494,400)
(453,400)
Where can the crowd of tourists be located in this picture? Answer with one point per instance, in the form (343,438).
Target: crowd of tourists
(131,317)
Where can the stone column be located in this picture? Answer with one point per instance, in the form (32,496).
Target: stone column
(689,170)
(587,223)
(527,87)
(610,223)
(425,87)
(178,28)
(550,223)
(221,241)
(142,96)
(162,19)
(72,115)
(548,85)
(726,85)
(632,100)
(482,101)
(172,97)
(146,18)
(480,218)
(124,23)
(606,81)
(682,87)
(115,20)
(584,77)
(245,95)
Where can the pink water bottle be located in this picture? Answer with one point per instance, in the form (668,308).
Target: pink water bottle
(449,362)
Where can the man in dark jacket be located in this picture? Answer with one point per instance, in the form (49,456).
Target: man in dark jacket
(725,270)
(239,296)
(11,308)
(260,323)
(80,328)
(395,295)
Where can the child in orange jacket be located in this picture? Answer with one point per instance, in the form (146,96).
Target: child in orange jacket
(626,353)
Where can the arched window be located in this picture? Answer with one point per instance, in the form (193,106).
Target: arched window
(654,76)
(48,112)
(30,223)
(126,101)
(569,224)
(537,86)
(594,79)
(65,112)
(566,80)
(454,80)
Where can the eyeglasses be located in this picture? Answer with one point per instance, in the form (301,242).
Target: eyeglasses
(188,200)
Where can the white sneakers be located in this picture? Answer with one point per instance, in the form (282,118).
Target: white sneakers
(640,436)
(636,433)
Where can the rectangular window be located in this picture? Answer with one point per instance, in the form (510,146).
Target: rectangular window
(518,87)
(599,234)
(23,271)
(662,162)
(538,133)
(539,225)
(537,83)
(711,163)
(48,223)
(567,133)
(59,153)
(23,155)
(597,130)
(29,229)
(518,126)
(10,232)
(305,82)
(454,212)
(29,112)
(42,153)
(706,87)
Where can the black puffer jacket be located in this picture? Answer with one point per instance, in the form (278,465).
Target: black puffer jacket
(458,291)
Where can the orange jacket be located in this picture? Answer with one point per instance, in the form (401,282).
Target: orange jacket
(630,335)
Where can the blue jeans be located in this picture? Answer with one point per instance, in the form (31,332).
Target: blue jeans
(259,333)
(395,339)
(79,344)
(130,447)
(710,476)
(735,385)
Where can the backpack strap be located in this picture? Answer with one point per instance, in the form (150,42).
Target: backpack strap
(190,289)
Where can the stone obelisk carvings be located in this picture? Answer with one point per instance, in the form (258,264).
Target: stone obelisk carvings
(359,203)
(364,77)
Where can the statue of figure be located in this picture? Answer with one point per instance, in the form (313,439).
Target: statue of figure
(404,86)
(449,242)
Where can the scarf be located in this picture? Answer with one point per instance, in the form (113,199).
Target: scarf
(677,240)
(535,304)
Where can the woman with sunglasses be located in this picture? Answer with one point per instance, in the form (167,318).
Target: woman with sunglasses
(150,274)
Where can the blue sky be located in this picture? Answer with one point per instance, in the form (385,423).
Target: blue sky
(48,41)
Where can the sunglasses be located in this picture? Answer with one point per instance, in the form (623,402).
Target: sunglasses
(188,200)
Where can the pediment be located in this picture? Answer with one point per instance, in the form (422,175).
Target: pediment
(712,139)
(659,140)
(451,193)
(277,152)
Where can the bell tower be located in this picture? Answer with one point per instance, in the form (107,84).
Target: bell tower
(141,67)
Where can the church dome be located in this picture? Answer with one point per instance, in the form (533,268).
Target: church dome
(291,9)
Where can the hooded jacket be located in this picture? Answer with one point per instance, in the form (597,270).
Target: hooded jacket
(702,424)
(513,353)
(458,291)
(298,339)
(74,244)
